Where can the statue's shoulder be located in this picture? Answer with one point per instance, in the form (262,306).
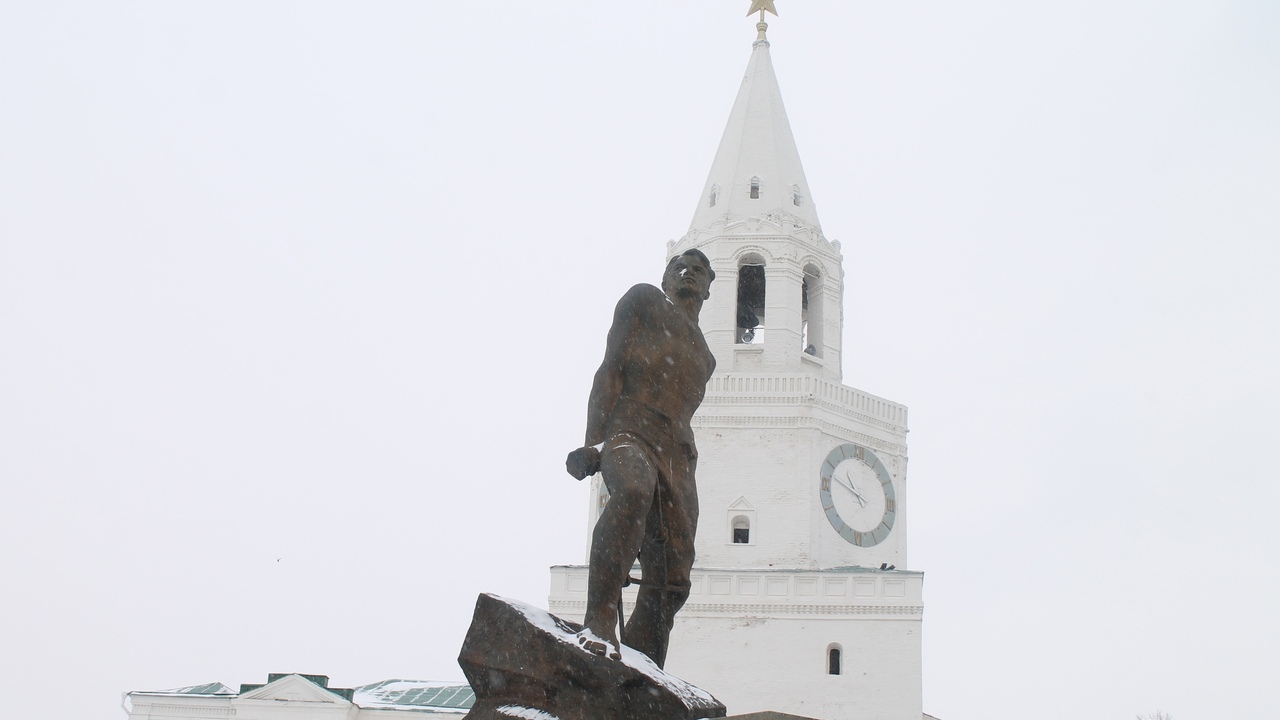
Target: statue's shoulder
(641,296)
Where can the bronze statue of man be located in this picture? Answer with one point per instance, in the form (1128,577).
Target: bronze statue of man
(654,375)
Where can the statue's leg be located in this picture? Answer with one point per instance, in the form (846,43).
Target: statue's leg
(631,478)
(666,557)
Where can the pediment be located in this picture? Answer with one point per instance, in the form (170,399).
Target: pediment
(753,226)
(741,504)
(294,688)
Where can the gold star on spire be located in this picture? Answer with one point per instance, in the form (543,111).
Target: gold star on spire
(762,6)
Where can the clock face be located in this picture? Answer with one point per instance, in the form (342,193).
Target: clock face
(857,495)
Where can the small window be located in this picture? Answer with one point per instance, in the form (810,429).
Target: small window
(755,188)
(737,523)
(833,660)
(796,198)
(715,191)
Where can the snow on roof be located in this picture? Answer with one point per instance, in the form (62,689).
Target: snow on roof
(213,688)
(415,695)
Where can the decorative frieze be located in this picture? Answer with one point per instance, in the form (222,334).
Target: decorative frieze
(157,710)
(776,423)
(736,609)
(785,592)
(804,389)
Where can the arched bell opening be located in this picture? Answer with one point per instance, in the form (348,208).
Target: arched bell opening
(811,302)
(750,315)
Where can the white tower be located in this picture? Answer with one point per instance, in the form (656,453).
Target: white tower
(801,479)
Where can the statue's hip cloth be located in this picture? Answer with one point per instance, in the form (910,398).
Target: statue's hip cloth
(668,447)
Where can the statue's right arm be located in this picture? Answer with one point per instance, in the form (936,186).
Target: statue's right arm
(605,391)
(608,382)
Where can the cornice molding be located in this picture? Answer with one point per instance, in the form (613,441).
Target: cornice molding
(811,241)
(809,390)
(720,399)
(794,609)
(199,711)
(796,422)
(749,229)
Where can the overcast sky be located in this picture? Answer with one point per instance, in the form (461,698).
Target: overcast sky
(300,304)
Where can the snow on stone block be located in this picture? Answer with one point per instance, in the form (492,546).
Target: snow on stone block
(519,657)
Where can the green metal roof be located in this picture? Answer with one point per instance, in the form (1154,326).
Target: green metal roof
(415,694)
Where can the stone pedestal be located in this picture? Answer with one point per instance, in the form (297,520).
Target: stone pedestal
(523,662)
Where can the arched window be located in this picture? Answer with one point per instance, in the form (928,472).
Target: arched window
(750,314)
(796,198)
(715,193)
(833,659)
(755,188)
(811,312)
(739,520)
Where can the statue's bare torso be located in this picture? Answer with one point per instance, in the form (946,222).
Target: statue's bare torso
(665,367)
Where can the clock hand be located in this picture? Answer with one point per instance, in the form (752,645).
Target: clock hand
(862,500)
(848,485)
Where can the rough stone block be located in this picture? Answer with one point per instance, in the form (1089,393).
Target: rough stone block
(523,662)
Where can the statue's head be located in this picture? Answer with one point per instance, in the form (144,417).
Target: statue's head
(688,273)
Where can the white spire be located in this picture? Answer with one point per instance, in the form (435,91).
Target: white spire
(757,147)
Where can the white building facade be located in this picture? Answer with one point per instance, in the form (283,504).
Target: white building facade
(800,601)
